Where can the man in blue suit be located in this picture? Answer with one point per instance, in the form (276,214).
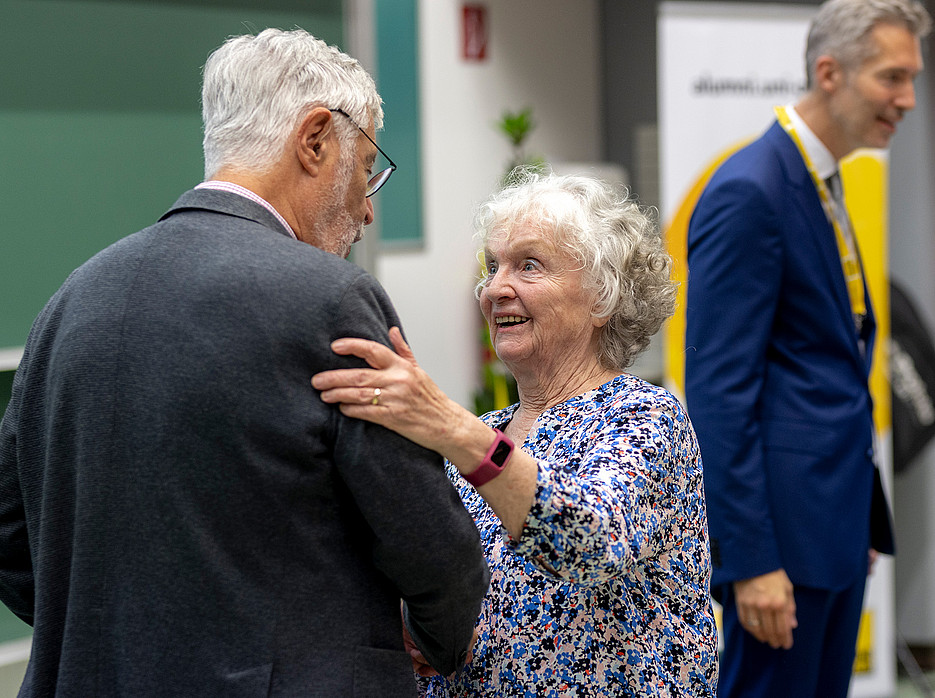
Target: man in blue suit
(780,333)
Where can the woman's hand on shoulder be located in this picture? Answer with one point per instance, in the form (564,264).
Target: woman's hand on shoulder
(395,392)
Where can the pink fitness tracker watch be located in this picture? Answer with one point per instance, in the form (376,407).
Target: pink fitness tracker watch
(493,462)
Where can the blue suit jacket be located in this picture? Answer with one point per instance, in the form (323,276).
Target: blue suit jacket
(776,383)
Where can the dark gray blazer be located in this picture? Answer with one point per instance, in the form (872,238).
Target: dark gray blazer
(180,515)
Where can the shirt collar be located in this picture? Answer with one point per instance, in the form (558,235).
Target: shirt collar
(822,160)
(220,185)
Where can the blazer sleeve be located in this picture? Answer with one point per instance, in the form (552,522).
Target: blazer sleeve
(735,262)
(425,542)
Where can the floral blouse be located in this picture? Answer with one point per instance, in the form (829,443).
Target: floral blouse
(606,592)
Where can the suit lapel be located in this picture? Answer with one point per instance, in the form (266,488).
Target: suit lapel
(819,233)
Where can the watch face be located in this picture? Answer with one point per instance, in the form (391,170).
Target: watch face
(501,453)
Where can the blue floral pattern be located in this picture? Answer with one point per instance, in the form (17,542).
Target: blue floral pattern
(606,592)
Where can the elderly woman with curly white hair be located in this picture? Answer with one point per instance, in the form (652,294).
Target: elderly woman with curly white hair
(587,493)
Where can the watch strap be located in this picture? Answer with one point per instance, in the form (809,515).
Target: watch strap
(494,462)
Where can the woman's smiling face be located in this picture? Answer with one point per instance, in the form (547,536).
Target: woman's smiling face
(535,299)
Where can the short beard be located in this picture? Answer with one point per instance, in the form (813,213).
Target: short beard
(334,230)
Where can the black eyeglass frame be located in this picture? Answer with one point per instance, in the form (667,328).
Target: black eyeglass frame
(380,178)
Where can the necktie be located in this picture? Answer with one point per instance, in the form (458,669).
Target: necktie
(837,190)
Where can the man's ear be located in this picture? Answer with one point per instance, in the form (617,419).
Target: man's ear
(312,145)
(829,73)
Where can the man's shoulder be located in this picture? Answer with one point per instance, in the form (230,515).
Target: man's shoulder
(757,159)
(235,254)
(762,169)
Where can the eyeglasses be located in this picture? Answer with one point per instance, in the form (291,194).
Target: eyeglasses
(379,179)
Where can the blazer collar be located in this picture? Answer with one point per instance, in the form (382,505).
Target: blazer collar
(227,203)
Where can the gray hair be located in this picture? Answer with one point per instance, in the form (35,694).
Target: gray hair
(841,29)
(257,89)
(615,240)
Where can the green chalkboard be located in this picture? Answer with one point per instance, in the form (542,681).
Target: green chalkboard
(100,126)
(11,627)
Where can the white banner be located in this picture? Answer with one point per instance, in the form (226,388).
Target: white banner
(722,69)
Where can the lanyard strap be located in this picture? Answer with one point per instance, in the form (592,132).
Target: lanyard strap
(847,243)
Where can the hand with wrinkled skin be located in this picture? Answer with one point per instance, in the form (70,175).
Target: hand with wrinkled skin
(411,404)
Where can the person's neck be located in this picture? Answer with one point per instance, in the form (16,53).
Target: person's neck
(814,110)
(539,388)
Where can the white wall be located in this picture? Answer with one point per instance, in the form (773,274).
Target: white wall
(543,54)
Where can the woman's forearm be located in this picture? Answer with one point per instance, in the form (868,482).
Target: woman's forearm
(511,493)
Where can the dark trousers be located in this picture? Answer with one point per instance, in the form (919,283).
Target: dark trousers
(821,660)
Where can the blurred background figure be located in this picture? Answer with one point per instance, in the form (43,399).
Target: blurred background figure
(779,340)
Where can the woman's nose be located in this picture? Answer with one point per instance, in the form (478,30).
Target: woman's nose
(499,286)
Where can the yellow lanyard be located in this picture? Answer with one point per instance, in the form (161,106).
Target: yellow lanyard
(850,263)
